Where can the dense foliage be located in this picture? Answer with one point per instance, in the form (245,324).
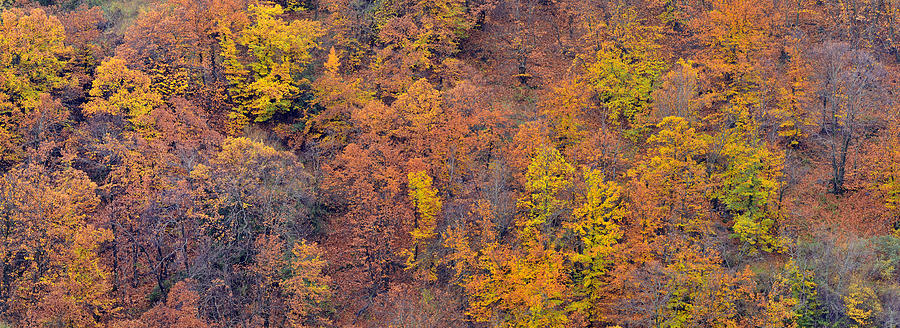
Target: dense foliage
(449,163)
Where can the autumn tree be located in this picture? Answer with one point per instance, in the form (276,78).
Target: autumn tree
(250,199)
(736,37)
(367,236)
(674,175)
(519,287)
(32,62)
(887,180)
(175,43)
(796,94)
(677,94)
(52,273)
(621,74)
(263,62)
(145,175)
(675,279)
(181,309)
(548,177)
(428,207)
(524,284)
(307,287)
(120,91)
(337,97)
(415,36)
(850,91)
(748,175)
(597,226)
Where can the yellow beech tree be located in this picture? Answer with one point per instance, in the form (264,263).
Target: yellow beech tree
(673,176)
(52,243)
(428,207)
(522,287)
(862,305)
(336,98)
(749,185)
(32,53)
(621,74)
(32,58)
(596,226)
(307,287)
(263,63)
(548,175)
(523,283)
(119,90)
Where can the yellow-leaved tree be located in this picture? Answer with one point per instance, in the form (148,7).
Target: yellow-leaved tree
(863,305)
(622,73)
(595,225)
(307,288)
(748,180)
(31,62)
(428,206)
(31,65)
(523,284)
(264,62)
(673,176)
(120,91)
(52,242)
(548,175)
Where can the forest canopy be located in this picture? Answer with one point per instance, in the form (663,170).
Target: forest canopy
(449,163)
